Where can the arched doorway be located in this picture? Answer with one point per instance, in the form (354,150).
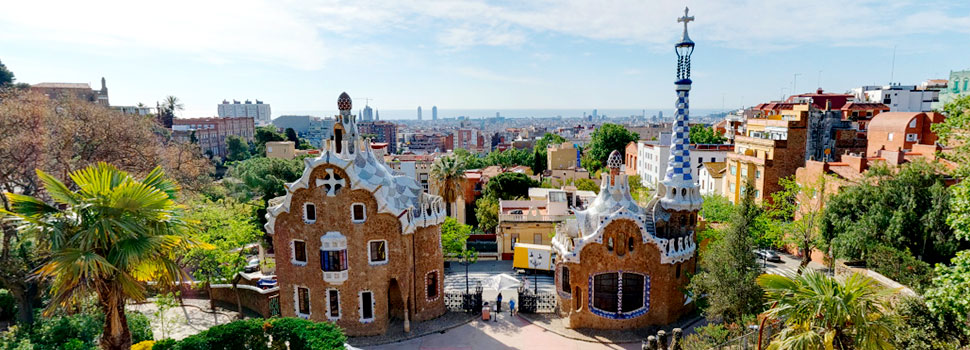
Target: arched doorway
(395,301)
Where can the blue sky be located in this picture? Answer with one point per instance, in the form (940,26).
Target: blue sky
(299,55)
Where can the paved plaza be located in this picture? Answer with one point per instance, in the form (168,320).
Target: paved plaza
(455,275)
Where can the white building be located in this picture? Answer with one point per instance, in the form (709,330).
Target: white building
(259,111)
(899,98)
(710,177)
(652,158)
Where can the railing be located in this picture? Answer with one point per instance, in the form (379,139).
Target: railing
(748,341)
(527,217)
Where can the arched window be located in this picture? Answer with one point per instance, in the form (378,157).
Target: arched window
(683,192)
(609,244)
(614,293)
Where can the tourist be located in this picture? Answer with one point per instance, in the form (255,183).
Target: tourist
(498,303)
(512,307)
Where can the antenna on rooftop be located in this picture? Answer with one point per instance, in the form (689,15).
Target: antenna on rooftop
(892,69)
(366,100)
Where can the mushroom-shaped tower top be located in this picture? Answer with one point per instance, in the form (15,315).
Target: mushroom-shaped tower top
(615,160)
(344,103)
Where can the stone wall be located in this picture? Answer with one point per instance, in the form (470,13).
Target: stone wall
(666,301)
(393,283)
(252,298)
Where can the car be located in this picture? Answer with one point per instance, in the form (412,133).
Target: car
(252,266)
(516,212)
(767,254)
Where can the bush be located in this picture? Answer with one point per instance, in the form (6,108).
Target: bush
(900,266)
(918,328)
(303,334)
(140,327)
(144,345)
(77,331)
(254,334)
(165,344)
(8,305)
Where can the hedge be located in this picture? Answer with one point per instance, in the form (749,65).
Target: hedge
(255,334)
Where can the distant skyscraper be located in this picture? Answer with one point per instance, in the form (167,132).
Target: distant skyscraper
(498,115)
(419,112)
(259,111)
(434,112)
(377,115)
(368,114)
(595,114)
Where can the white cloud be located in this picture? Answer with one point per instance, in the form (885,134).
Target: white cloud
(308,34)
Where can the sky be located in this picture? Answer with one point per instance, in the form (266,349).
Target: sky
(537,54)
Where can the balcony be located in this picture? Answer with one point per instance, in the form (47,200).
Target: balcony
(748,159)
(760,142)
(531,218)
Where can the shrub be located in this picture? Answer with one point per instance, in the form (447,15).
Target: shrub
(244,334)
(77,331)
(900,266)
(144,345)
(8,305)
(303,334)
(165,344)
(918,328)
(140,327)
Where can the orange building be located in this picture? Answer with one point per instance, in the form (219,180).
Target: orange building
(895,131)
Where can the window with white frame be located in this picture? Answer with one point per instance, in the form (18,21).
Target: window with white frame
(911,137)
(301,301)
(333,304)
(912,123)
(309,213)
(333,257)
(889,137)
(377,252)
(358,212)
(366,299)
(298,252)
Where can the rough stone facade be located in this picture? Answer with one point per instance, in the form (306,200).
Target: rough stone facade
(361,209)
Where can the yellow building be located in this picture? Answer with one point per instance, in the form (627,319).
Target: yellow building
(772,148)
(281,149)
(530,221)
(562,156)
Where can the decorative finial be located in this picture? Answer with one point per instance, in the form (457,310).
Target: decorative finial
(686,19)
(344,102)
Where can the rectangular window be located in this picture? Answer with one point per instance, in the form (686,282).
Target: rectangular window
(757,174)
(564,280)
(889,137)
(303,300)
(632,291)
(734,170)
(333,260)
(358,212)
(911,138)
(299,251)
(366,305)
(333,299)
(537,238)
(378,251)
(605,292)
(432,285)
(309,213)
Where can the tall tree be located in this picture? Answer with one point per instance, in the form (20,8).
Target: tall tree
(237,148)
(954,132)
(107,238)
(486,211)
(6,76)
(264,177)
(508,186)
(607,138)
(291,136)
(172,104)
(822,312)
(729,268)
(448,180)
(799,209)
(947,295)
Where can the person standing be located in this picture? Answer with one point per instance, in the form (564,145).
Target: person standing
(511,307)
(498,304)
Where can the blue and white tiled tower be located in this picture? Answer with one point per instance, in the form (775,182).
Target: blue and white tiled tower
(681,192)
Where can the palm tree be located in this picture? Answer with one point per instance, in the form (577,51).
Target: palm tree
(173,104)
(106,238)
(822,312)
(448,179)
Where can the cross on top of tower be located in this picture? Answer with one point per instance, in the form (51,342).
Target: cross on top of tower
(685,19)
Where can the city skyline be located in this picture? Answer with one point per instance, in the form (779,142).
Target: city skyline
(478,55)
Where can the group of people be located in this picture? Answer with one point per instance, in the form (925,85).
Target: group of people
(498,308)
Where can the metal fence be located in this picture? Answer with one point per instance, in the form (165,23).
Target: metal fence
(749,340)
(463,302)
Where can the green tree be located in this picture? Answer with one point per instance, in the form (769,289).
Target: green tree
(539,154)
(638,191)
(107,238)
(729,268)
(470,160)
(172,104)
(508,186)
(6,76)
(263,135)
(510,158)
(953,132)
(486,211)
(448,180)
(822,312)
(264,177)
(918,328)
(705,135)
(453,238)
(904,209)
(948,291)
(716,208)
(291,136)
(586,185)
(797,211)
(607,138)
(237,147)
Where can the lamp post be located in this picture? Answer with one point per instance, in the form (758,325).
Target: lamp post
(534,261)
